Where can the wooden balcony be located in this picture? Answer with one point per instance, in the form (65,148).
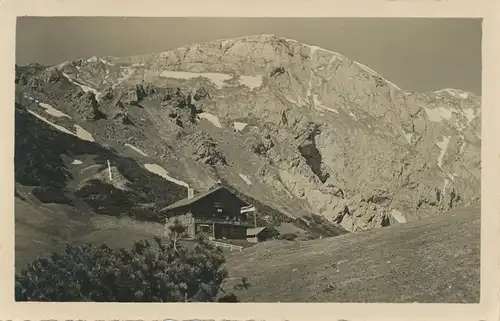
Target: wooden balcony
(220,221)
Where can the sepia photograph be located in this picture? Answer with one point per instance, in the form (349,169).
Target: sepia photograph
(199,159)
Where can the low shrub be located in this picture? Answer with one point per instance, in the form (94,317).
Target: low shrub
(287,236)
(151,271)
(50,195)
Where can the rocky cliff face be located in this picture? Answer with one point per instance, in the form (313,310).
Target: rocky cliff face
(302,129)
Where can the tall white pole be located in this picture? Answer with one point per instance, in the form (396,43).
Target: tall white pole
(109,170)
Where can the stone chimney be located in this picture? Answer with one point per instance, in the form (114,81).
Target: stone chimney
(190,192)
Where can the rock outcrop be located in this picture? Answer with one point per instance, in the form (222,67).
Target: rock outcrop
(204,149)
(85,105)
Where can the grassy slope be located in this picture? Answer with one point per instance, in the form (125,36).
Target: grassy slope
(41,229)
(435,260)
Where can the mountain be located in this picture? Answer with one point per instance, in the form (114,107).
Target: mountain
(309,136)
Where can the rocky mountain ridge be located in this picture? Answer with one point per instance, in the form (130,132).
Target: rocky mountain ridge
(299,128)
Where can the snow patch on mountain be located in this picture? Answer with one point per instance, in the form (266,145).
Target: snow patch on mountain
(314,49)
(462,147)
(80,132)
(350,113)
(84,87)
(398,216)
(158,170)
(216,78)
(60,128)
(239,126)
(77,162)
(246,179)
(453,92)
(443,145)
(106,63)
(83,134)
(136,149)
(251,82)
(408,137)
(211,118)
(52,111)
(293,101)
(319,106)
(62,65)
(469,114)
(125,75)
(438,114)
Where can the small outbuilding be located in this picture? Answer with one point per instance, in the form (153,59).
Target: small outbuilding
(259,234)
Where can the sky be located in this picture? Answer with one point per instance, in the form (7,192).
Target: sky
(419,54)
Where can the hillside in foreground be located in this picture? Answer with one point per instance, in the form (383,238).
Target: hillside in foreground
(433,260)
